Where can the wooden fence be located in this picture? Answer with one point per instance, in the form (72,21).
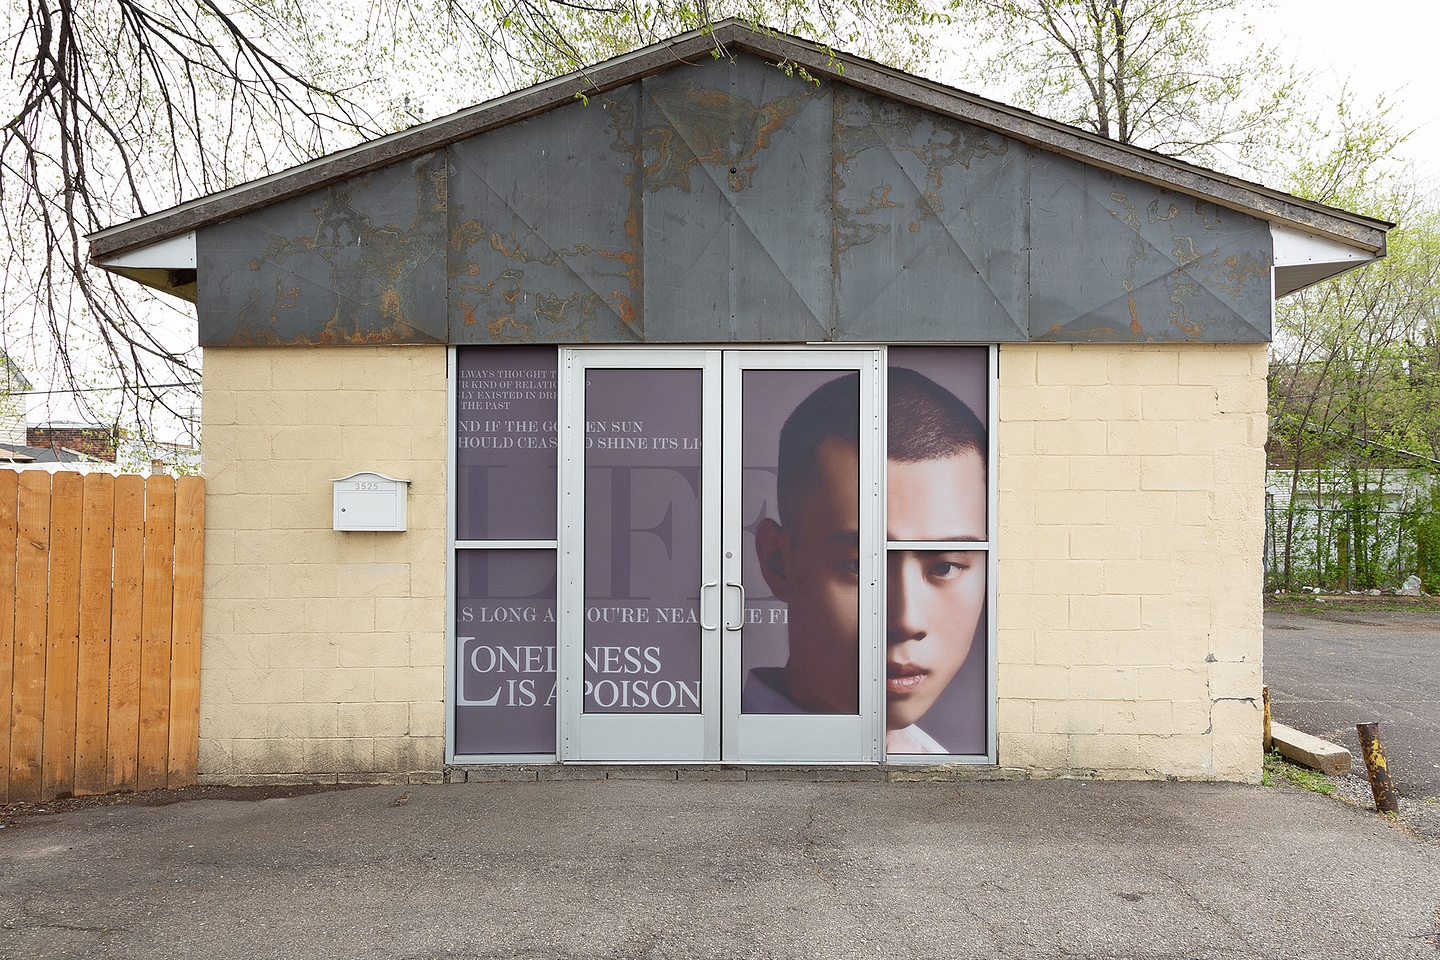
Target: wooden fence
(100,580)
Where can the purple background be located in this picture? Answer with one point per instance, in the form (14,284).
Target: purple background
(506,491)
(486,582)
(644,566)
(663,544)
(769,398)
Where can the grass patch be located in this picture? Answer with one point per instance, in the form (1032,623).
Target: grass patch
(1280,772)
(1309,603)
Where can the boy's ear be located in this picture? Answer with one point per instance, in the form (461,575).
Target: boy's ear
(772,549)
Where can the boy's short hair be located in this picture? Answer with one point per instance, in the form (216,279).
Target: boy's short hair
(928,422)
(925,422)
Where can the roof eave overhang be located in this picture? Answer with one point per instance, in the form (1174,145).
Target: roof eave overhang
(733,35)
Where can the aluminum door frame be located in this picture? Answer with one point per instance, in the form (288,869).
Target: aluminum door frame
(634,737)
(809,738)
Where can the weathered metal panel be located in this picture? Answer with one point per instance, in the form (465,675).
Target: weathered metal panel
(736,210)
(729,201)
(1115,259)
(545,239)
(930,230)
(737,36)
(358,262)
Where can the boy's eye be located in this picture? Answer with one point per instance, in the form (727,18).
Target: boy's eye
(947,569)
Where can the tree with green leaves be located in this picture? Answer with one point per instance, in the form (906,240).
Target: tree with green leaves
(1352,404)
(1355,383)
(119,108)
(123,108)
(1186,78)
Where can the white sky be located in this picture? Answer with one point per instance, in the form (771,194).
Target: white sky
(1380,47)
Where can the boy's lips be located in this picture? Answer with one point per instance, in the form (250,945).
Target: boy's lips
(903,678)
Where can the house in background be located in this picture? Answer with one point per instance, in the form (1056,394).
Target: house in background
(566,330)
(1352,514)
(155,456)
(21,457)
(13,408)
(89,439)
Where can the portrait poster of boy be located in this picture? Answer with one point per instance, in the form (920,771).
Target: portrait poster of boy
(801,497)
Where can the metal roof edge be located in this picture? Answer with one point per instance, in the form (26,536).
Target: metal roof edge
(1056,137)
(1050,135)
(397,147)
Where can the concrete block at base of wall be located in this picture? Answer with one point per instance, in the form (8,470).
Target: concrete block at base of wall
(732,773)
(710,773)
(1329,758)
(1177,757)
(361,777)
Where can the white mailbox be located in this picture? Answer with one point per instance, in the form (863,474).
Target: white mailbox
(370,501)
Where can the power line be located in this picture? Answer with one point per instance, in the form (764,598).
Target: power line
(148,386)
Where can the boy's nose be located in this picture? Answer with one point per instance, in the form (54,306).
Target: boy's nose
(904,619)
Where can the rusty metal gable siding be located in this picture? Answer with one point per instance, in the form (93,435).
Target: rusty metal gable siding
(359,262)
(736,206)
(1118,259)
(728,201)
(545,228)
(931,239)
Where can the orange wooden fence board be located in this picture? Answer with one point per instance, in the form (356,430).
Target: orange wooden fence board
(62,636)
(92,716)
(155,623)
(27,709)
(99,653)
(185,632)
(124,749)
(9,494)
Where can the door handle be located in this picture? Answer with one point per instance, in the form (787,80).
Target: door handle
(740,619)
(703,588)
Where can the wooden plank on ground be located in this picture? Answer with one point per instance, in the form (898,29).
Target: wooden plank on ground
(155,624)
(9,491)
(62,639)
(32,573)
(185,631)
(124,741)
(92,686)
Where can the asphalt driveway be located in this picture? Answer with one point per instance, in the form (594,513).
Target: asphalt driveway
(1330,670)
(664,869)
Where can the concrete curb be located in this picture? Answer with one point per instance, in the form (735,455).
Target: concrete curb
(887,772)
(1329,758)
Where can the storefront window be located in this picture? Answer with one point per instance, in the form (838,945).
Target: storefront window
(650,631)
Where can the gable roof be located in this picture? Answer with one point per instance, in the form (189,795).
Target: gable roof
(14,376)
(19,453)
(1277,207)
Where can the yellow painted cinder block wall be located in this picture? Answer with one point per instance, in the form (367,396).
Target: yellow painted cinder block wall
(324,652)
(1131,510)
(1131,499)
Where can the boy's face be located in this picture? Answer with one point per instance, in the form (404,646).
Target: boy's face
(935,596)
(813,564)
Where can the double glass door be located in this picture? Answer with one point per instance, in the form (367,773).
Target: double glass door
(718,593)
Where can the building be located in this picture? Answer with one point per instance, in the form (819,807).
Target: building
(89,439)
(577,320)
(12,402)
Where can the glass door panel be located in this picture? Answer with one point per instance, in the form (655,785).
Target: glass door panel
(505,634)
(640,485)
(801,640)
(720,599)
